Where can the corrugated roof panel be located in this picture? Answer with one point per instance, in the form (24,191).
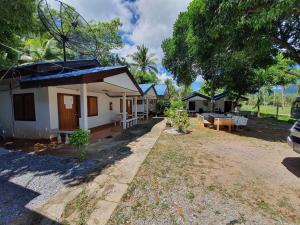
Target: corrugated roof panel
(160,89)
(71,74)
(145,87)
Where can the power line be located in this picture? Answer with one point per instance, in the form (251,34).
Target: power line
(16,50)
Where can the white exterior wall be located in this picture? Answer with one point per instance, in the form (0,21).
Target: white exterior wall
(219,104)
(121,80)
(142,108)
(46,112)
(200,104)
(104,114)
(26,129)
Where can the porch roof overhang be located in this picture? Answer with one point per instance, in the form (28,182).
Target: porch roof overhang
(110,77)
(225,94)
(196,96)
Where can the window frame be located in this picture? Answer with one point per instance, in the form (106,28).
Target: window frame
(88,106)
(24,117)
(192,103)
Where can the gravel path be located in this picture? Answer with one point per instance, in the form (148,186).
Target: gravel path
(29,180)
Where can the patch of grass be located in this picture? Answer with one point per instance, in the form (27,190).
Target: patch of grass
(190,196)
(211,187)
(266,207)
(285,203)
(80,205)
(270,112)
(130,191)
(81,201)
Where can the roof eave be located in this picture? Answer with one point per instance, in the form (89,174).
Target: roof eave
(81,79)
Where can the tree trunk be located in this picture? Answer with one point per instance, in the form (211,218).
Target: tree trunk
(277,110)
(282,97)
(212,93)
(258,103)
(274,98)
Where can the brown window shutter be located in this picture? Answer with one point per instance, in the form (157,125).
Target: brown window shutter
(24,108)
(18,107)
(29,108)
(92,106)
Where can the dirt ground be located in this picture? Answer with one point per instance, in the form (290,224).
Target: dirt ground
(249,176)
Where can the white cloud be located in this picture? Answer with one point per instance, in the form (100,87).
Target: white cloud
(156,22)
(200,79)
(163,77)
(104,10)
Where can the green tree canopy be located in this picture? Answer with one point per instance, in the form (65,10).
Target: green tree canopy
(185,91)
(272,24)
(108,38)
(143,60)
(172,93)
(16,21)
(143,77)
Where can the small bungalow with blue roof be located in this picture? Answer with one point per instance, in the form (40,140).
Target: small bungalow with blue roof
(147,103)
(199,103)
(162,91)
(42,100)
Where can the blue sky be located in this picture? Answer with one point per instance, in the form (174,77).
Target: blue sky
(146,22)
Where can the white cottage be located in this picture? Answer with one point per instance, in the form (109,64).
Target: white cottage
(197,102)
(147,103)
(42,99)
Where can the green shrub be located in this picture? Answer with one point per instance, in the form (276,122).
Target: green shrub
(170,114)
(177,104)
(177,116)
(79,138)
(162,105)
(181,120)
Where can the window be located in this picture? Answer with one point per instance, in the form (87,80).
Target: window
(139,102)
(92,106)
(24,109)
(192,106)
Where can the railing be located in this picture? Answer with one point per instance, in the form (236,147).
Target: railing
(130,122)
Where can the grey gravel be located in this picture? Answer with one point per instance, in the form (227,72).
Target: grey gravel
(28,180)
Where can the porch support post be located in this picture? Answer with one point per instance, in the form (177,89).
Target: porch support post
(147,108)
(83,106)
(124,110)
(144,108)
(135,107)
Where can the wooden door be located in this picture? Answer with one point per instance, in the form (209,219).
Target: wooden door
(227,106)
(68,111)
(128,106)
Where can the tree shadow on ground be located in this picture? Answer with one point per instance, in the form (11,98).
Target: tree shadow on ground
(13,206)
(14,166)
(115,149)
(293,165)
(267,129)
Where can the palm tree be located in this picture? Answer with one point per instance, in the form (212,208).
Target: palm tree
(143,60)
(41,49)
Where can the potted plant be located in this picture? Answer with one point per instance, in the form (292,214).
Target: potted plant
(80,138)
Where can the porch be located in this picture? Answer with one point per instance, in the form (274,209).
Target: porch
(89,99)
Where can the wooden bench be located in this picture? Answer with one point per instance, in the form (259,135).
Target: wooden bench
(203,121)
(226,122)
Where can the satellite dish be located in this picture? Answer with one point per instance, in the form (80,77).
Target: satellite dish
(68,27)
